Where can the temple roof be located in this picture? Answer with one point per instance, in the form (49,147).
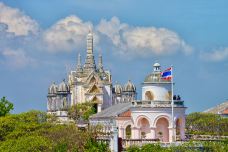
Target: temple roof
(112,111)
(219,109)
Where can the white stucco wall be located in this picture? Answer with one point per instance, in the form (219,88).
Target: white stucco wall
(159,91)
(107,97)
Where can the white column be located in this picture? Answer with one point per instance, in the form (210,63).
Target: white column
(172,133)
(121,132)
(152,132)
(99,108)
(135,133)
(182,131)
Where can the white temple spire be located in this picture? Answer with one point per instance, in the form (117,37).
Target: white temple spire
(90,62)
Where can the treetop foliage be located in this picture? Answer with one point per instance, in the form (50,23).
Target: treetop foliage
(30,131)
(5,106)
(81,111)
(206,124)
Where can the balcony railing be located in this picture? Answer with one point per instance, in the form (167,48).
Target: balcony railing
(157,103)
(139,142)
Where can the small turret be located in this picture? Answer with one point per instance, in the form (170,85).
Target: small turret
(79,66)
(129,87)
(157,67)
(117,89)
(63,87)
(100,64)
(53,88)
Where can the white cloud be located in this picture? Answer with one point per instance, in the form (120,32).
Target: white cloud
(16,58)
(142,41)
(17,22)
(67,34)
(216,55)
(156,41)
(112,29)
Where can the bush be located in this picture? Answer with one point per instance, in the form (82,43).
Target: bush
(152,148)
(133,149)
(32,143)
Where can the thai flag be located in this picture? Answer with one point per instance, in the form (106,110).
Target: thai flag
(167,74)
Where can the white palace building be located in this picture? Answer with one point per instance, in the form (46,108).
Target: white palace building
(152,117)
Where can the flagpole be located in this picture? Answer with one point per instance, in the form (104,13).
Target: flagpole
(172,104)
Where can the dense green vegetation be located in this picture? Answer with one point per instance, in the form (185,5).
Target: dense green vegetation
(30,131)
(206,124)
(5,106)
(186,147)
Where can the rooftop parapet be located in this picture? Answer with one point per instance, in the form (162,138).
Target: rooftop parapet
(156,103)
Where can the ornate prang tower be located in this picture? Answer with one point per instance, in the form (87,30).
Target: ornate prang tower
(89,62)
(91,83)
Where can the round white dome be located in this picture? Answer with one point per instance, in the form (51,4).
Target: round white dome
(129,87)
(157,65)
(63,87)
(53,88)
(118,89)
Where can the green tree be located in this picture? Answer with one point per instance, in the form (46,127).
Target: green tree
(30,131)
(5,106)
(81,111)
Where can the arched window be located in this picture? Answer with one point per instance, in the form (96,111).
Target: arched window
(128,132)
(149,95)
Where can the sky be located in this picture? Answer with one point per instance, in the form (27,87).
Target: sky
(40,40)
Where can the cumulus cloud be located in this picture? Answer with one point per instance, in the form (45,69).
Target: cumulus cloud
(112,29)
(20,35)
(142,41)
(216,55)
(67,34)
(16,58)
(17,22)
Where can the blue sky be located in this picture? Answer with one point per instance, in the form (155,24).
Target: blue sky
(40,40)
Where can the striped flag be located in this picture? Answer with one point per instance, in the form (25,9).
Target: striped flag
(167,74)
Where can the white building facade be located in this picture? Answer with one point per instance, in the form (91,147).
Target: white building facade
(151,117)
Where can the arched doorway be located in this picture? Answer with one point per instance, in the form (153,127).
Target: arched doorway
(144,125)
(162,130)
(95,107)
(128,132)
(149,95)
